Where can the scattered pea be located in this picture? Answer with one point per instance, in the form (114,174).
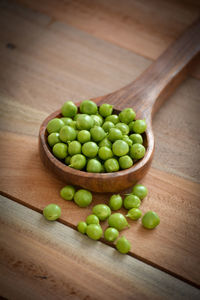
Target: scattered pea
(52,212)
(92,219)
(150,220)
(134,214)
(83,198)
(102,211)
(111,234)
(140,191)
(67,192)
(123,245)
(82,226)
(94,231)
(131,201)
(115,202)
(118,221)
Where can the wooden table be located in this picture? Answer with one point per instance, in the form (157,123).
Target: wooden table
(52,51)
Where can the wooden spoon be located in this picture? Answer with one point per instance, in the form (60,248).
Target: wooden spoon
(145,95)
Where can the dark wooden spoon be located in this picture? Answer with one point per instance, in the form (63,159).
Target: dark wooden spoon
(145,95)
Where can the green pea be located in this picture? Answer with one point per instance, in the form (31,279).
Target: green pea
(150,220)
(134,214)
(53,139)
(92,219)
(52,212)
(93,166)
(114,134)
(60,150)
(67,192)
(83,198)
(127,115)
(102,169)
(107,126)
(131,201)
(137,151)
(126,139)
(69,109)
(88,107)
(123,245)
(120,148)
(136,138)
(111,165)
(125,162)
(82,227)
(84,122)
(105,110)
(118,221)
(130,125)
(139,126)
(97,133)
(78,161)
(73,125)
(115,202)
(67,133)
(111,234)
(77,116)
(67,160)
(140,191)
(55,125)
(94,231)
(74,148)
(90,149)
(123,127)
(102,211)
(84,136)
(98,120)
(112,118)
(67,121)
(105,153)
(105,143)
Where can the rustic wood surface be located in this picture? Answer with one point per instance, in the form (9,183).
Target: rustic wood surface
(56,262)
(45,62)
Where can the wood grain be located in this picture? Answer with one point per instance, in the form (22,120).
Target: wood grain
(176,201)
(35,267)
(134,25)
(45,63)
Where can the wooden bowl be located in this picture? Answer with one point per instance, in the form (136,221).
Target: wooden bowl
(97,182)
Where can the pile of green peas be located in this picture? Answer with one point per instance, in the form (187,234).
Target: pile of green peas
(103,212)
(117,221)
(96,140)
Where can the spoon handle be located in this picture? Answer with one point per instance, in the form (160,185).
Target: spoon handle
(146,94)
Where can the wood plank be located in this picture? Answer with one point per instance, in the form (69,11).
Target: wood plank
(50,260)
(65,67)
(176,201)
(52,63)
(142,27)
